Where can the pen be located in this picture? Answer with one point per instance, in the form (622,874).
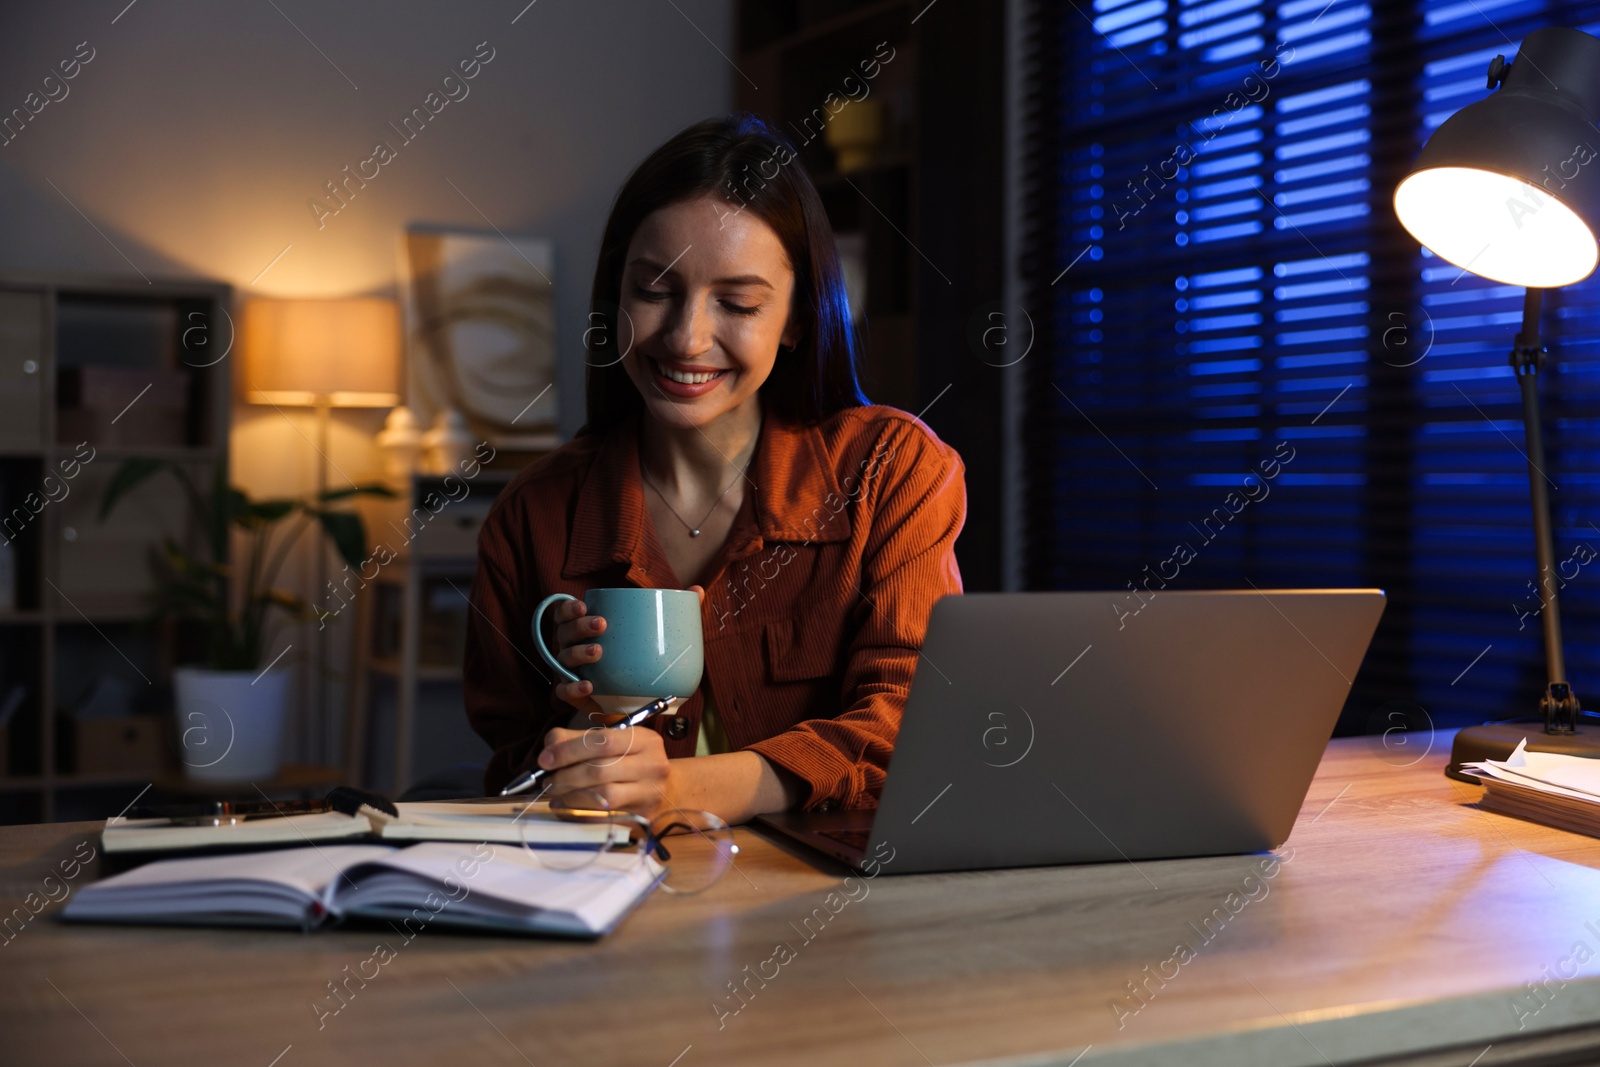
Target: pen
(633,718)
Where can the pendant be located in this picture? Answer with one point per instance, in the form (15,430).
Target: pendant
(694,533)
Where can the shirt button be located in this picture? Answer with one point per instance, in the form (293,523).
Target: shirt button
(678,728)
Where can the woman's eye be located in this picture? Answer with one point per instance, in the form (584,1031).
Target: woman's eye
(657,295)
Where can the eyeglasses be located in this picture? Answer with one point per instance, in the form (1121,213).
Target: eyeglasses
(692,870)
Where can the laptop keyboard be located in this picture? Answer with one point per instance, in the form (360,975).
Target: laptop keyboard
(856,839)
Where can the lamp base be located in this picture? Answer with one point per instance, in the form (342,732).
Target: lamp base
(1496,742)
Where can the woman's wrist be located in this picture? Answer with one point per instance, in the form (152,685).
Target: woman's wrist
(736,786)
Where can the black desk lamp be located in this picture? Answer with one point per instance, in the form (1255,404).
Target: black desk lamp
(1509,188)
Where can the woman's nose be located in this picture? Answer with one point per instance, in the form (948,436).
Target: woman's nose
(689,333)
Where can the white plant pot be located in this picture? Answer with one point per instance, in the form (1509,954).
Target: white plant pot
(230,723)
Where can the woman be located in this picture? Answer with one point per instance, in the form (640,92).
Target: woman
(727,448)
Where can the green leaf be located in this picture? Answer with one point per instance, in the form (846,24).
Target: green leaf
(262,513)
(183,563)
(348,534)
(217,517)
(230,502)
(176,557)
(279,597)
(286,600)
(185,598)
(131,474)
(370,489)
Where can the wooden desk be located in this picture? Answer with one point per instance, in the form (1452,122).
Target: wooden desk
(1400,918)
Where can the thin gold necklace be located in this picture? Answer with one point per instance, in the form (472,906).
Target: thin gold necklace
(694,530)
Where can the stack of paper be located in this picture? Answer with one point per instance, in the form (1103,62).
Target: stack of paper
(1560,791)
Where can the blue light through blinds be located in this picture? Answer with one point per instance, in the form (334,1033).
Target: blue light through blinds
(1253,360)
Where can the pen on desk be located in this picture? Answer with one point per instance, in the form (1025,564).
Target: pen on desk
(633,718)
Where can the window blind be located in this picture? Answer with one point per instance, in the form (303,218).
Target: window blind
(1248,373)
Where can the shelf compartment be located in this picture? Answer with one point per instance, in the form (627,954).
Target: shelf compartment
(26,496)
(21,700)
(136,371)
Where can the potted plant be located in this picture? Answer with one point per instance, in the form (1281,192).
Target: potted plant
(231,707)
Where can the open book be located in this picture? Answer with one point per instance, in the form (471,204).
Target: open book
(1557,790)
(499,821)
(503,888)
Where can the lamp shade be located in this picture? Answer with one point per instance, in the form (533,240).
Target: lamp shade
(344,353)
(1509,187)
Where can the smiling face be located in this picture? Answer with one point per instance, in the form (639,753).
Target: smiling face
(707,292)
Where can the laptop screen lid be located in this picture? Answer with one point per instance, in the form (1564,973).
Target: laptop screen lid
(1047,728)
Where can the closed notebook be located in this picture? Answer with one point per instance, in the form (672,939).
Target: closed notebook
(502,888)
(499,821)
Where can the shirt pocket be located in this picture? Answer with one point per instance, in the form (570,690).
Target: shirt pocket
(796,653)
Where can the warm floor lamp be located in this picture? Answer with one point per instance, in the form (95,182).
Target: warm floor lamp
(1509,188)
(322,354)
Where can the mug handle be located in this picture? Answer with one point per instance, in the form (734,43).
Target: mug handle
(538,640)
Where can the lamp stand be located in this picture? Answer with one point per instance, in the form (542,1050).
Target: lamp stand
(1559,707)
(318,728)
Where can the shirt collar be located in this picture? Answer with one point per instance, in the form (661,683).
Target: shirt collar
(793,483)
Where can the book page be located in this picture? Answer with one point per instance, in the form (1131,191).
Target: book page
(594,894)
(279,884)
(309,870)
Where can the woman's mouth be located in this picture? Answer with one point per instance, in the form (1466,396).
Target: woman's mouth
(675,382)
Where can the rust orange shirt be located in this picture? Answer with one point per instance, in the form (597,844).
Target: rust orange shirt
(815,606)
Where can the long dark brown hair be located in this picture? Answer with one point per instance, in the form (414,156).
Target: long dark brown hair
(734,156)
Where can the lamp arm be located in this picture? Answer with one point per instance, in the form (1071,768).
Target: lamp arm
(1560,705)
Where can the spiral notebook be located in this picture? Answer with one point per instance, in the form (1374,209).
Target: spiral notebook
(503,888)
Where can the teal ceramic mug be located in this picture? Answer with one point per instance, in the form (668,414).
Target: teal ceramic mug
(652,646)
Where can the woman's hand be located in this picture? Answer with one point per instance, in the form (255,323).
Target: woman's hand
(621,769)
(576,630)
(628,770)
(617,770)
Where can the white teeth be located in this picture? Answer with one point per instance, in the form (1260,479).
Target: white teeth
(686,379)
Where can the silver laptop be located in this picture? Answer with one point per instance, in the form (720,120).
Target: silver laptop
(1049,728)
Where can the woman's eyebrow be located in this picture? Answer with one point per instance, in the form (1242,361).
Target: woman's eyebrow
(742,279)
